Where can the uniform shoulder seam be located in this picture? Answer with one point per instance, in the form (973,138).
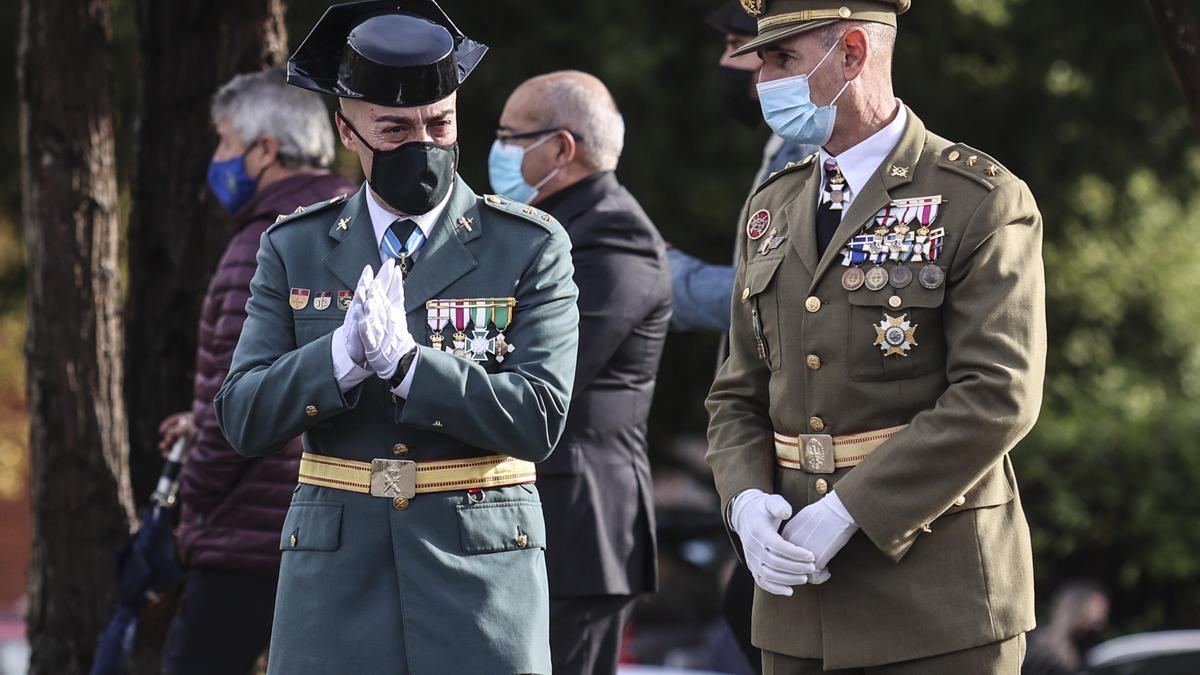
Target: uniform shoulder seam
(789,168)
(302,212)
(523,211)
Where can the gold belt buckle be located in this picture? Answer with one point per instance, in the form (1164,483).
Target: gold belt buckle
(393,478)
(816,453)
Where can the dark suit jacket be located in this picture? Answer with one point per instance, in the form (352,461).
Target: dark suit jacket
(595,487)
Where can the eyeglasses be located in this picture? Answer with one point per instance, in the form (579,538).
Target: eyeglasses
(508,138)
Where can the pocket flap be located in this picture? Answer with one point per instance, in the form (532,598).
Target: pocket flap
(759,274)
(490,527)
(914,295)
(312,526)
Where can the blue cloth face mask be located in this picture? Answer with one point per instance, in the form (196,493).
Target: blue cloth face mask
(788,108)
(504,169)
(230,182)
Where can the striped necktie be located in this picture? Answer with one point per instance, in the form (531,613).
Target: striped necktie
(401,241)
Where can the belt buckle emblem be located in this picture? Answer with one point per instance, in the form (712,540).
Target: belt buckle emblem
(818,453)
(393,478)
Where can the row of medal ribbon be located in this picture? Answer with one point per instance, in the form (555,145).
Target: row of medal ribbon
(894,239)
(477,313)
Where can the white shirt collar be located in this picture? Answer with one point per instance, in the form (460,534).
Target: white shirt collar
(382,219)
(860,162)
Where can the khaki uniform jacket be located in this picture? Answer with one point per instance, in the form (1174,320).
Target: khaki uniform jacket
(942,561)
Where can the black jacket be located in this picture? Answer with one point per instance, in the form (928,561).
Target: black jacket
(595,487)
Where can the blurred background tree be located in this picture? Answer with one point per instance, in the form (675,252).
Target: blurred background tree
(1080,100)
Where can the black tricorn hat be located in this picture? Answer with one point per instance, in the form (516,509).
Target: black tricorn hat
(395,53)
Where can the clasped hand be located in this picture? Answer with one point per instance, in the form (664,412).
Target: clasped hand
(375,329)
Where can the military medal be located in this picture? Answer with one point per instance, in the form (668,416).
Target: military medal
(344,298)
(900,277)
(323,300)
(437,316)
(876,278)
(480,346)
(756,227)
(460,317)
(853,278)
(835,190)
(502,317)
(299,298)
(932,277)
(895,336)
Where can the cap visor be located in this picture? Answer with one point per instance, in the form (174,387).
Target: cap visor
(776,34)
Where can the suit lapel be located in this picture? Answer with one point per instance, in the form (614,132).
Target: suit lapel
(802,209)
(445,258)
(895,171)
(356,236)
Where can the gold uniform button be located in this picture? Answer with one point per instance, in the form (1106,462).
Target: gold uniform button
(953,156)
(813,362)
(844,12)
(960,501)
(399,449)
(292,541)
(813,304)
(522,540)
(895,301)
(400,503)
(822,486)
(816,424)
(746,294)
(311,411)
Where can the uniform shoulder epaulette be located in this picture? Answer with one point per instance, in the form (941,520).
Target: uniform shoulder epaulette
(533,215)
(302,211)
(978,166)
(790,167)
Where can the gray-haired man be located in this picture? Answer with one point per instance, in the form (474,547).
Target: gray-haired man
(274,142)
(557,146)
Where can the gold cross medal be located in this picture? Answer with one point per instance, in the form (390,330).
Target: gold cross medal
(895,336)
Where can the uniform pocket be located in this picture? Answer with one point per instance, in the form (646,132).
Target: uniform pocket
(491,527)
(312,526)
(762,295)
(309,329)
(873,313)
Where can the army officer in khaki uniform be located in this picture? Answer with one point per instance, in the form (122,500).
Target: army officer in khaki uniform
(888,346)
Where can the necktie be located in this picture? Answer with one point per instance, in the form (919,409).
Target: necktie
(833,201)
(401,241)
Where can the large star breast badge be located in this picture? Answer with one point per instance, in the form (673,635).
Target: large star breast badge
(895,336)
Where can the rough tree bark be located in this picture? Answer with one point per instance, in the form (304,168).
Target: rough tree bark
(80,480)
(1179,27)
(177,230)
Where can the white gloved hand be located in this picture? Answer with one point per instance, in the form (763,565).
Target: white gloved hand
(351,339)
(822,527)
(384,329)
(775,563)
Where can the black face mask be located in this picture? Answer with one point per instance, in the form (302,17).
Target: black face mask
(735,94)
(414,177)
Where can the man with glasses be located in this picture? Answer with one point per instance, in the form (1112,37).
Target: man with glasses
(423,340)
(559,139)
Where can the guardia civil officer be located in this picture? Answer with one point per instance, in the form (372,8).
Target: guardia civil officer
(887,352)
(423,339)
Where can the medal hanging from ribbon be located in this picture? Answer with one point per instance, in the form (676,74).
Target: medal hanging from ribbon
(480,313)
(460,317)
(502,317)
(438,316)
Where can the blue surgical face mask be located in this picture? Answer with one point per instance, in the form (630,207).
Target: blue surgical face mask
(230,182)
(788,108)
(504,171)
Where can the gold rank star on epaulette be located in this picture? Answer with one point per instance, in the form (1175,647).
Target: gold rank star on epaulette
(517,209)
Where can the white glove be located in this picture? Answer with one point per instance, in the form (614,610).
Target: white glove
(384,328)
(775,563)
(822,527)
(354,316)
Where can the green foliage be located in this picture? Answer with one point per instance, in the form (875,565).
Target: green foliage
(1076,98)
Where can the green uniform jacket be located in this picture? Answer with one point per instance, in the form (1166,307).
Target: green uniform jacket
(942,561)
(442,586)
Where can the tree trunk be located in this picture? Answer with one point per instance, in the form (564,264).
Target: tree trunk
(1180,32)
(177,231)
(80,480)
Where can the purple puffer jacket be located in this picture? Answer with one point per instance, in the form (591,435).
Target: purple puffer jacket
(233,507)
